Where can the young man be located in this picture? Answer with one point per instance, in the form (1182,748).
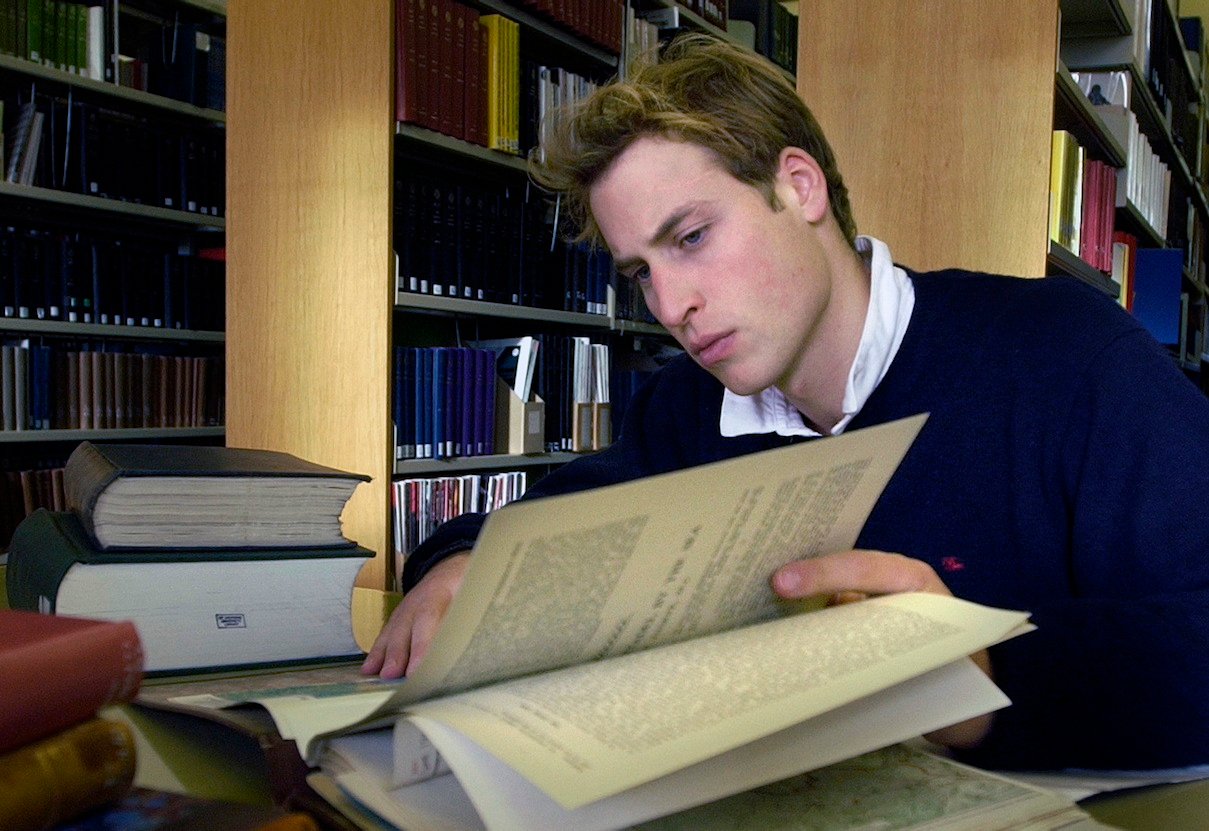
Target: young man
(1064,468)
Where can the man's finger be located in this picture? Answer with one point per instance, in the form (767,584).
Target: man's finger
(867,572)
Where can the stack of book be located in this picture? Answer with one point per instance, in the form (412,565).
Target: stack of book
(58,758)
(220,556)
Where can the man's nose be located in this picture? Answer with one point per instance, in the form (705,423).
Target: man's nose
(675,294)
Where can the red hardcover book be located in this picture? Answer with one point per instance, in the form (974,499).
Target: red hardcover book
(448,96)
(59,671)
(406,87)
(457,71)
(1090,212)
(424,94)
(474,105)
(436,56)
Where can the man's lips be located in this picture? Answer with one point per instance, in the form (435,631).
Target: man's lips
(709,349)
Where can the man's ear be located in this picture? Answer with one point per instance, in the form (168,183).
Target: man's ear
(798,170)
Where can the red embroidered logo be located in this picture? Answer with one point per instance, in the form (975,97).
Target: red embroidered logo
(952,563)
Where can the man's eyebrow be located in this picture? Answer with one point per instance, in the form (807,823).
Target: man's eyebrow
(662,233)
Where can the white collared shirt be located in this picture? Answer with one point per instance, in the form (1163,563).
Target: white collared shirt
(891,301)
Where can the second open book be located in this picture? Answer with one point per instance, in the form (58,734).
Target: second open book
(617,655)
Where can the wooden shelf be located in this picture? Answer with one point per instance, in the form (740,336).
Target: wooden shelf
(1075,114)
(462,464)
(135,96)
(99,330)
(218,7)
(1059,260)
(50,196)
(413,302)
(549,30)
(116,434)
(431,138)
(1095,18)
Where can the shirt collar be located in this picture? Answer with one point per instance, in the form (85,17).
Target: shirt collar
(891,301)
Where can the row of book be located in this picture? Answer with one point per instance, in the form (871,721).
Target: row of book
(573,378)
(169,55)
(774,29)
(421,505)
(24,491)
(462,74)
(1083,199)
(444,402)
(46,387)
(596,21)
(65,144)
(492,240)
(66,36)
(76,278)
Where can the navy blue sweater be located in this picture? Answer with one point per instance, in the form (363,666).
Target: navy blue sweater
(1064,470)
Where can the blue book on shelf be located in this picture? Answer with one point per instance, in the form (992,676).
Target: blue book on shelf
(426,402)
(1156,300)
(466,411)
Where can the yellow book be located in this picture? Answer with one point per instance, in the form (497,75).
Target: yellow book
(65,775)
(1074,174)
(514,78)
(493,25)
(1058,187)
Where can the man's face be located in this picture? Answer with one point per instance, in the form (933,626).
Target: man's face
(742,287)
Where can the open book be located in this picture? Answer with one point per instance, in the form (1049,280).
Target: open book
(617,655)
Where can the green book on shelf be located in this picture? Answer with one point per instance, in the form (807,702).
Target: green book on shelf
(193,608)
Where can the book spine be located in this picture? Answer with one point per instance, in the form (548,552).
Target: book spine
(66,775)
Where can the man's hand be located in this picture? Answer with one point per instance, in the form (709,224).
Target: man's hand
(853,575)
(406,636)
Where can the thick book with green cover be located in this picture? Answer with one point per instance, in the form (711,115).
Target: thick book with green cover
(181,496)
(193,608)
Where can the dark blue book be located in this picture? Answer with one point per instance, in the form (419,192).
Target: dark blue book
(397,401)
(1156,299)
(487,384)
(466,376)
(423,398)
(436,408)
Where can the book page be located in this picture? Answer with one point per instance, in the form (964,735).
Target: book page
(509,801)
(567,579)
(593,730)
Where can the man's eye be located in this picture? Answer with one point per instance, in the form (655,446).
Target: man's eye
(641,274)
(693,237)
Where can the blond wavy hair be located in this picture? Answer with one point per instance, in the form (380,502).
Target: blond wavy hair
(697,89)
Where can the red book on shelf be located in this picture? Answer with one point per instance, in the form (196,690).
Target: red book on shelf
(59,671)
(406,84)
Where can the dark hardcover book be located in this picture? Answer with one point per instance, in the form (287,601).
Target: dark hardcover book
(466,399)
(168,496)
(426,403)
(437,397)
(405,61)
(436,104)
(474,104)
(449,96)
(424,54)
(193,608)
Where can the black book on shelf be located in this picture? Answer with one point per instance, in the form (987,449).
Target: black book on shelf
(450,215)
(8,282)
(93,174)
(31,271)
